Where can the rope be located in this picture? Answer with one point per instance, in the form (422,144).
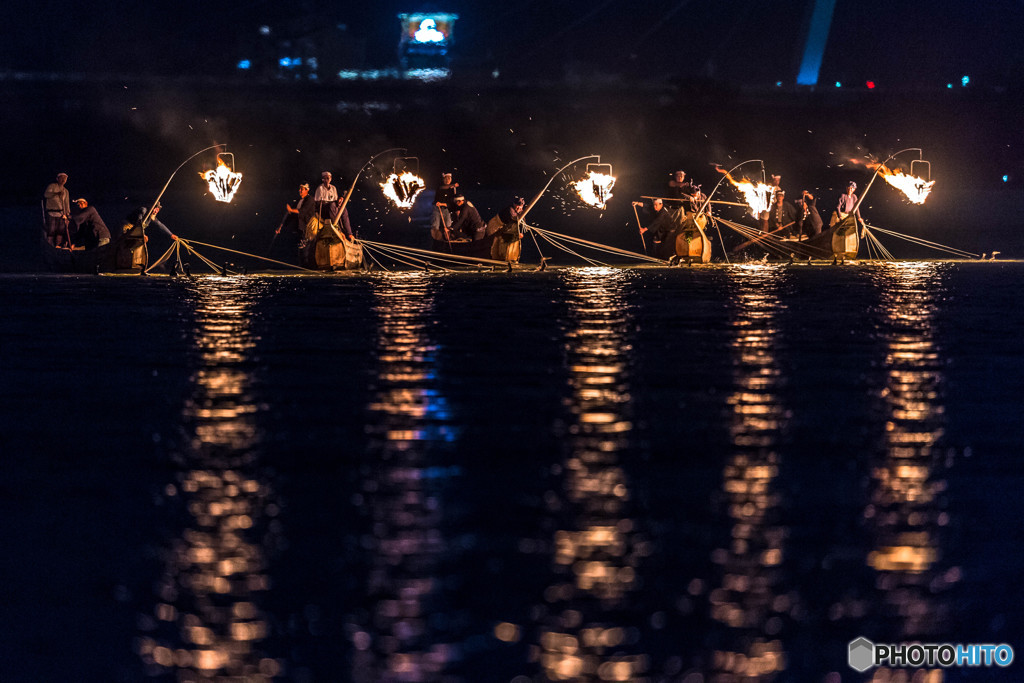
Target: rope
(392,250)
(598,247)
(242,253)
(566,249)
(721,239)
(455,258)
(162,258)
(926,243)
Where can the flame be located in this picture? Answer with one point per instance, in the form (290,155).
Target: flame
(402,189)
(916,189)
(757,196)
(595,189)
(223,181)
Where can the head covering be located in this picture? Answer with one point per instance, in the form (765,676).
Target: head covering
(851,184)
(446,173)
(326,174)
(304,185)
(62,175)
(459,196)
(81,199)
(780,193)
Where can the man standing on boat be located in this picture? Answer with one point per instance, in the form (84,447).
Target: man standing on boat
(90,230)
(847,205)
(57,205)
(781,215)
(444,205)
(326,199)
(297,219)
(807,219)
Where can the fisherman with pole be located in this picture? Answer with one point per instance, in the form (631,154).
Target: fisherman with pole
(296,216)
(57,212)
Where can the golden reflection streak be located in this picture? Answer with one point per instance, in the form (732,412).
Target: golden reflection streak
(904,512)
(208,624)
(596,557)
(748,601)
(395,636)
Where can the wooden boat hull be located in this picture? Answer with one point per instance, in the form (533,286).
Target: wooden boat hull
(109,258)
(840,241)
(335,254)
(464,247)
(692,243)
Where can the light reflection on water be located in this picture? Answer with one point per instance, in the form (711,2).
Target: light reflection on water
(750,602)
(905,514)
(208,623)
(597,551)
(399,633)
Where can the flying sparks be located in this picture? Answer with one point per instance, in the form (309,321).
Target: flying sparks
(223,182)
(757,196)
(402,189)
(916,189)
(596,189)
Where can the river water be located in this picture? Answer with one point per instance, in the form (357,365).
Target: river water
(716,473)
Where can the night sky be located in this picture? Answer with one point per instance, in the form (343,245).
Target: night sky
(894,44)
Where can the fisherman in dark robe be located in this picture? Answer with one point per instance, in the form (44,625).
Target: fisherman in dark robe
(663,226)
(91,231)
(466,220)
(505,231)
(782,216)
(808,218)
(444,205)
(299,213)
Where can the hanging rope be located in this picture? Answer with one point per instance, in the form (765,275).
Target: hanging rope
(242,253)
(566,249)
(597,246)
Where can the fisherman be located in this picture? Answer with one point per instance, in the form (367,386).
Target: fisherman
(847,205)
(663,225)
(90,230)
(679,187)
(326,199)
(444,205)
(505,230)
(57,205)
(776,186)
(134,236)
(781,215)
(466,220)
(808,219)
(297,218)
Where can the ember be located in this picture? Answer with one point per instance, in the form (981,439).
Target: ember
(402,189)
(223,181)
(595,189)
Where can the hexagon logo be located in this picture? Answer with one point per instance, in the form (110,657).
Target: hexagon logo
(862,654)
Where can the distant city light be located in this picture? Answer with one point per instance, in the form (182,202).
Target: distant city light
(949,85)
(965,80)
(838,84)
(264,30)
(290,61)
(1006,178)
(871,85)
(778,84)
(245,64)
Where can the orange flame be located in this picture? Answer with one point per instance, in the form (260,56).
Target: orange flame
(222,181)
(758,196)
(916,189)
(403,189)
(595,189)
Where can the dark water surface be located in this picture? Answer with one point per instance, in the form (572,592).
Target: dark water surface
(706,474)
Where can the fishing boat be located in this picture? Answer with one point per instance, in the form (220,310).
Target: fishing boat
(837,242)
(334,251)
(113,257)
(692,243)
